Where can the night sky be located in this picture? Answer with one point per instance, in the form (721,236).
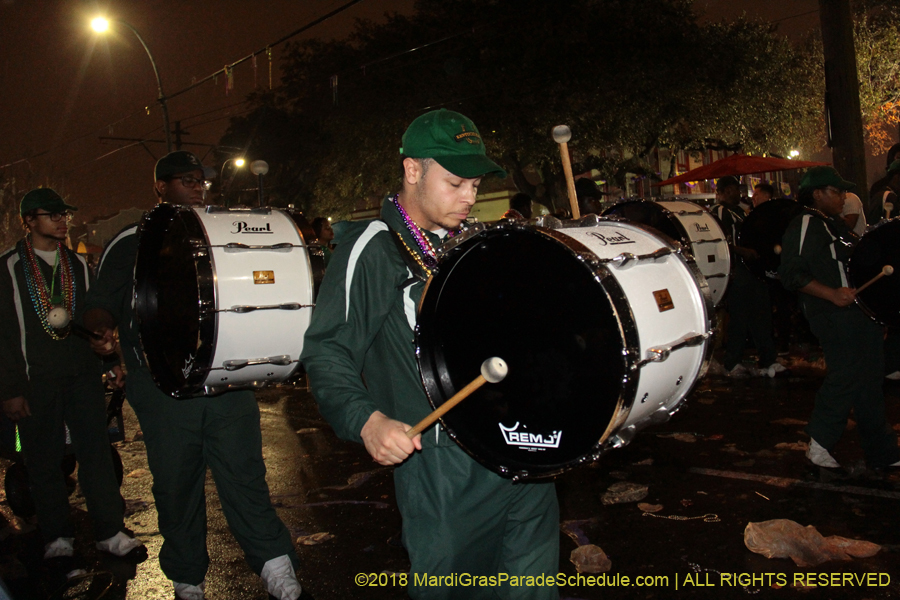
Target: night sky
(64,86)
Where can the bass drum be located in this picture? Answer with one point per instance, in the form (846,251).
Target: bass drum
(878,247)
(223,296)
(694,227)
(762,231)
(625,336)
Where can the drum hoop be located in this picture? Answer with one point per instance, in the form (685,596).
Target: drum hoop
(627,331)
(208,292)
(193,384)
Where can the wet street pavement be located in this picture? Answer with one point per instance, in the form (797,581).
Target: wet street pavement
(734,454)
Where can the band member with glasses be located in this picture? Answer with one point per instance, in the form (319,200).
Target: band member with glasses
(815,249)
(50,378)
(185,437)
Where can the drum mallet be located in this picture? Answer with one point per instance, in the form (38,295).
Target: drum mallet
(561,135)
(885,270)
(493,370)
(58,318)
(888,207)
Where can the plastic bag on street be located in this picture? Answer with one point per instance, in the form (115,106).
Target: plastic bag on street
(590,559)
(783,538)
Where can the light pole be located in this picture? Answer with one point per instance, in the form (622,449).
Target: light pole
(101,25)
(237,162)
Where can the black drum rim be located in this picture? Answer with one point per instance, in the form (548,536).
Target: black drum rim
(439,391)
(153,226)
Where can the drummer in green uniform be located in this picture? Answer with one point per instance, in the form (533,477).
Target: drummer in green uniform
(458,517)
(185,437)
(815,249)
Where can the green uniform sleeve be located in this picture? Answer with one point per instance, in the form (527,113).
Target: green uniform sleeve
(345,325)
(112,288)
(13,374)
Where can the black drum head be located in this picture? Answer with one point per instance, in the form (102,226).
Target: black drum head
(519,294)
(172,268)
(879,246)
(652,214)
(762,231)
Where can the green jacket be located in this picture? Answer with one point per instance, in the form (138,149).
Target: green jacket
(114,292)
(812,249)
(359,350)
(26,350)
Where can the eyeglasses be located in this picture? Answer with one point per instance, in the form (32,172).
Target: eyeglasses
(834,190)
(191,181)
(55,216)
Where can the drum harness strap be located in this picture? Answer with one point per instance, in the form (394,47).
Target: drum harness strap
(847,239)
(419,273)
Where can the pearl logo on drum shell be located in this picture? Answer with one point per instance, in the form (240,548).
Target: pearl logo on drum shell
(701,228)
(244,227)
(612,240)
(529,441)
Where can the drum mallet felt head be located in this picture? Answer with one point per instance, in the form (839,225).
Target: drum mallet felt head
(885,270)
(493,370)
(561,135)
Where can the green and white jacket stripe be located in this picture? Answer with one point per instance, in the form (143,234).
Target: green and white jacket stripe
(359,350)
(26,350)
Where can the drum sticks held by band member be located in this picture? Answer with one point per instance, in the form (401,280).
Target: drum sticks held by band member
(493,370)
(561,135)
(885,270)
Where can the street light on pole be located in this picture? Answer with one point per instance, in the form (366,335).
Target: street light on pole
(237,162)
(101,25)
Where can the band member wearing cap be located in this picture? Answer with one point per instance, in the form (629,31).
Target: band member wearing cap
(813,262)
(458,517)
(50,378)
(184,437)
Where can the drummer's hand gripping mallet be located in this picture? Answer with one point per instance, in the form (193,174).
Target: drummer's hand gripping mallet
(885,270)
(493,370)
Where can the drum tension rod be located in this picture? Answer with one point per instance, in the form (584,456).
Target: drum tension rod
(627,260)
(247,309)
(237,247)
(661,353)
(233,365)
(712,241)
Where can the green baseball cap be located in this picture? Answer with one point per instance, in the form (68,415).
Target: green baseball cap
(43,198)
(819,177)
(178,163)
(452,140)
